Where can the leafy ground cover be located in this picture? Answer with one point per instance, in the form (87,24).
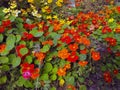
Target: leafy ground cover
(46,47)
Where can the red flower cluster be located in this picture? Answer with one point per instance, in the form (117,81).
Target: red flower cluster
(28,71)
(6,23)
(106,29)
(72,57)
(111,41)
(29,26)
(66,39)
(107,77)
(2,29)
(95,55)
(27,36)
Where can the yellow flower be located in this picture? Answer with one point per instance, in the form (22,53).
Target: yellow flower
(100,27)
(60,1)
(62,21)
(69,22)
(50,1)
(58,4)
(45,8)
(6,10)
(61,82)
(55,17)
(110,20)
(30,1)
(13,5)
(48,17)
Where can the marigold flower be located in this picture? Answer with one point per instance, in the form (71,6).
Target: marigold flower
(95,55)
(63,54)
(83,63)
(73,47)
(2,47)
(61,72)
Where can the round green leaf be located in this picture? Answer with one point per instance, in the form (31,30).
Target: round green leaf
(53,77)
(16,62)
(83,57)
(44,77)
(4,60)
(1,37)
(83,87)
(23,51)
(3,80)
(48,67)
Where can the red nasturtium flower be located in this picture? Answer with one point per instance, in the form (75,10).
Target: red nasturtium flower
(6,23)
(115,71)
(118,9)
(2,47)
(28,71)
(107,77)
(117,30)
(84,51)
(29,26)
(73,47)
(111,41)
(66,39)
(72,57)
(27,36)
(2,29)
(95,55)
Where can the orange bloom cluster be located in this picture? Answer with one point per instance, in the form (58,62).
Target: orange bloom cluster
(71,87)
(83,63)
(62,71)
(63,54)
(40,56)
(2,47)
(50,42)
(95,55)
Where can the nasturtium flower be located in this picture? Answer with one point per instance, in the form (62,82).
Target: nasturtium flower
(6,23)
(59,4)
(83,63)
(110,20)
(66,39)
(63,54)
(2,47)
(2,29)
(73,47)
(40,56)
(72,57)
(61,72)
(95,55)
(30,1)
(6,10)
(49,1)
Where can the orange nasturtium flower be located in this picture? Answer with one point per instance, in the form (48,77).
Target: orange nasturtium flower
(86,41)
(73,47)
(35,73)
(61,72)
(67,66)
(83,63)
(40,56)
(95,55)
(50,42)
(71,87)
(2,47)
(57,26)
(63,53)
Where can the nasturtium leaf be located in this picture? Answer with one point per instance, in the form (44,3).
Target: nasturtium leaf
(44,77)
(19,20)
(50,29)
(12,18)
(28,84)
(10,42)
(82,47)
(19,26)
(53,88)
(103,68)
(83,57)
(81,79)
(18,38)
(48,67)
(28,59)
(23,51)
(64,26)
(118,76)
(45,48)
(62,63)
(36,33)
(1,37)
(28,21)
(31,44)
(4,60)
(53,77)
(23,42)
(109,65)
(5,52)
(20,82)
(70,80)
(16,62)
(3,80)
(5,68)
(83,87)
(54,70)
